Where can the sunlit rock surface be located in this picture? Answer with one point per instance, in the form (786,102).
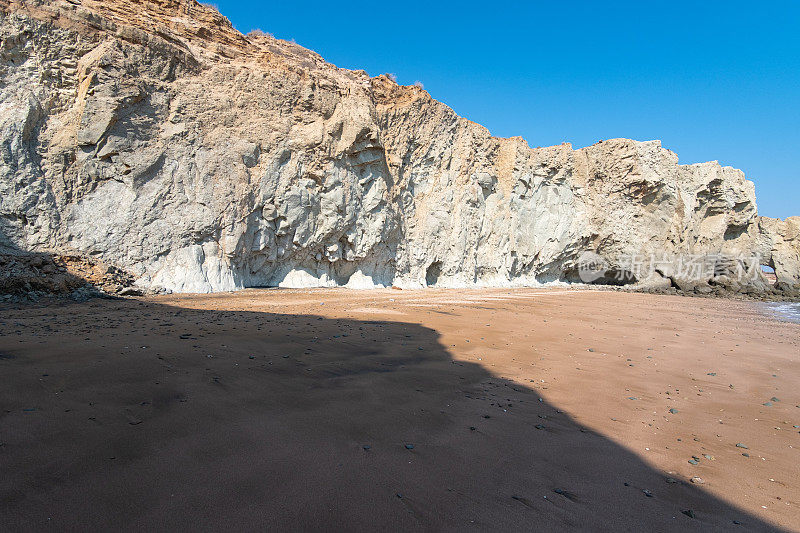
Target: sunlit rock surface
(154,136)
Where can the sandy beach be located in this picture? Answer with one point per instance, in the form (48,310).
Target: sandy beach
(525,409)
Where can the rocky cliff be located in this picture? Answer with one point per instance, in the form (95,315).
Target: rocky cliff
(154,137)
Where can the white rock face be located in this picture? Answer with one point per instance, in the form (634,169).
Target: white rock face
(153,135)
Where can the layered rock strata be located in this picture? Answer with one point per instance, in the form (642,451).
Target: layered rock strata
(155,137)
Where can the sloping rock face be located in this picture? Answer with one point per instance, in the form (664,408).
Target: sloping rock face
(155,137)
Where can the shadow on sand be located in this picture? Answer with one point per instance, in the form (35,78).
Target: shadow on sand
(134,415)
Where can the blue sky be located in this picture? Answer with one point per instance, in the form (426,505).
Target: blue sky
(712,80)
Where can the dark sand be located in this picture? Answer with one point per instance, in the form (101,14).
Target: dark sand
(527,410)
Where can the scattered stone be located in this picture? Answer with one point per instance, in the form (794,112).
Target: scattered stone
(131,291)
(673,411)
(409,446)
(740,445)
(688,512)
(567,494)
(697,480)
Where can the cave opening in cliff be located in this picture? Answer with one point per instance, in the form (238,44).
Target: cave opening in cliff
(433,273)
(769,272)
(617,277)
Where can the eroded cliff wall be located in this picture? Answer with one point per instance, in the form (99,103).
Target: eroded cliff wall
(154,136)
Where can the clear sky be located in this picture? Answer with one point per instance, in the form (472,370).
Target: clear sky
(711,79)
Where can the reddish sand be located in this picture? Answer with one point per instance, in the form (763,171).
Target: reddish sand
(348,410)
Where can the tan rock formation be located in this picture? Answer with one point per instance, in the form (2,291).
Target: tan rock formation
(156,137)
